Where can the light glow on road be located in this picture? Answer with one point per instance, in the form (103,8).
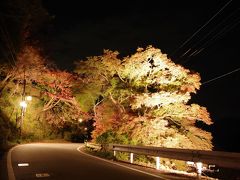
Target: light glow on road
(23,164)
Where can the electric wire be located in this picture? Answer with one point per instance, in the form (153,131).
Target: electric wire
(9,40)
(195,49)
(203,26)
(11,60)
(217,36)
(219,77)
(9,44)
(211,40)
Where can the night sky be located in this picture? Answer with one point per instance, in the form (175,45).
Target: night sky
(80,30)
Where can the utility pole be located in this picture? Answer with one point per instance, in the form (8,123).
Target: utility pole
(23,103)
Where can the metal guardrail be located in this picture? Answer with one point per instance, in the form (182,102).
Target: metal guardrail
(94,146)
(221,159)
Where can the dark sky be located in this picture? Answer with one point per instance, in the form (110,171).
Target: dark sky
(81,30)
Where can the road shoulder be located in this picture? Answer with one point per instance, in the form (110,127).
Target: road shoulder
(164,174)
(3,161)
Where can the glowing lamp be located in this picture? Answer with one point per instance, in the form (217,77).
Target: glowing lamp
(29,98)
(23,104)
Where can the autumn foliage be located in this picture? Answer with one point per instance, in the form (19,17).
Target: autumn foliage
(144,98)
(53,107)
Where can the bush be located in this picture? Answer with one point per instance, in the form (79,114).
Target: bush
(8,131)
(122,156)
(109,137)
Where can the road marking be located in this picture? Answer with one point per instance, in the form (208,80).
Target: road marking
(11,175)
(23,164)
(42,175)
(154,175)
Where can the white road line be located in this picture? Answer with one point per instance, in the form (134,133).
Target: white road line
(11,175)
(23,164)
(79,149)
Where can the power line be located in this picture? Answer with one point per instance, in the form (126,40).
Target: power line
(200,45)
(211,40)
(9,44)
(206,82)
(201,27)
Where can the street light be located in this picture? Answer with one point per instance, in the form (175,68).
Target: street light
(29,98)
(80,120)
(23,104)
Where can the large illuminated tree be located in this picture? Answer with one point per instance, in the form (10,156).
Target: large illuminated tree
(144,97)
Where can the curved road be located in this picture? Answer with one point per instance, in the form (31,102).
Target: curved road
(64,161)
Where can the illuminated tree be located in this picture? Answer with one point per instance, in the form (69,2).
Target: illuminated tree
(160,93)
(53,102)
(145,96)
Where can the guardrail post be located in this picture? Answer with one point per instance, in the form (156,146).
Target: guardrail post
(199,169)
(157,163)
(222,159)
(131,158)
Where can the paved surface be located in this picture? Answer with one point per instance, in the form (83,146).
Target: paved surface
(64,161)
(60,161)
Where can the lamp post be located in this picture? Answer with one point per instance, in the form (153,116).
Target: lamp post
(23,105)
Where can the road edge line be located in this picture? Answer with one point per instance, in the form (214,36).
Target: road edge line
(11,175)
(154,175)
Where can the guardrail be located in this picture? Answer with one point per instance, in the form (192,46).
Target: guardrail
(221,159)
(94,146)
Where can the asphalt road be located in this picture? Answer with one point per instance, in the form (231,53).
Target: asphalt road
(64,161)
